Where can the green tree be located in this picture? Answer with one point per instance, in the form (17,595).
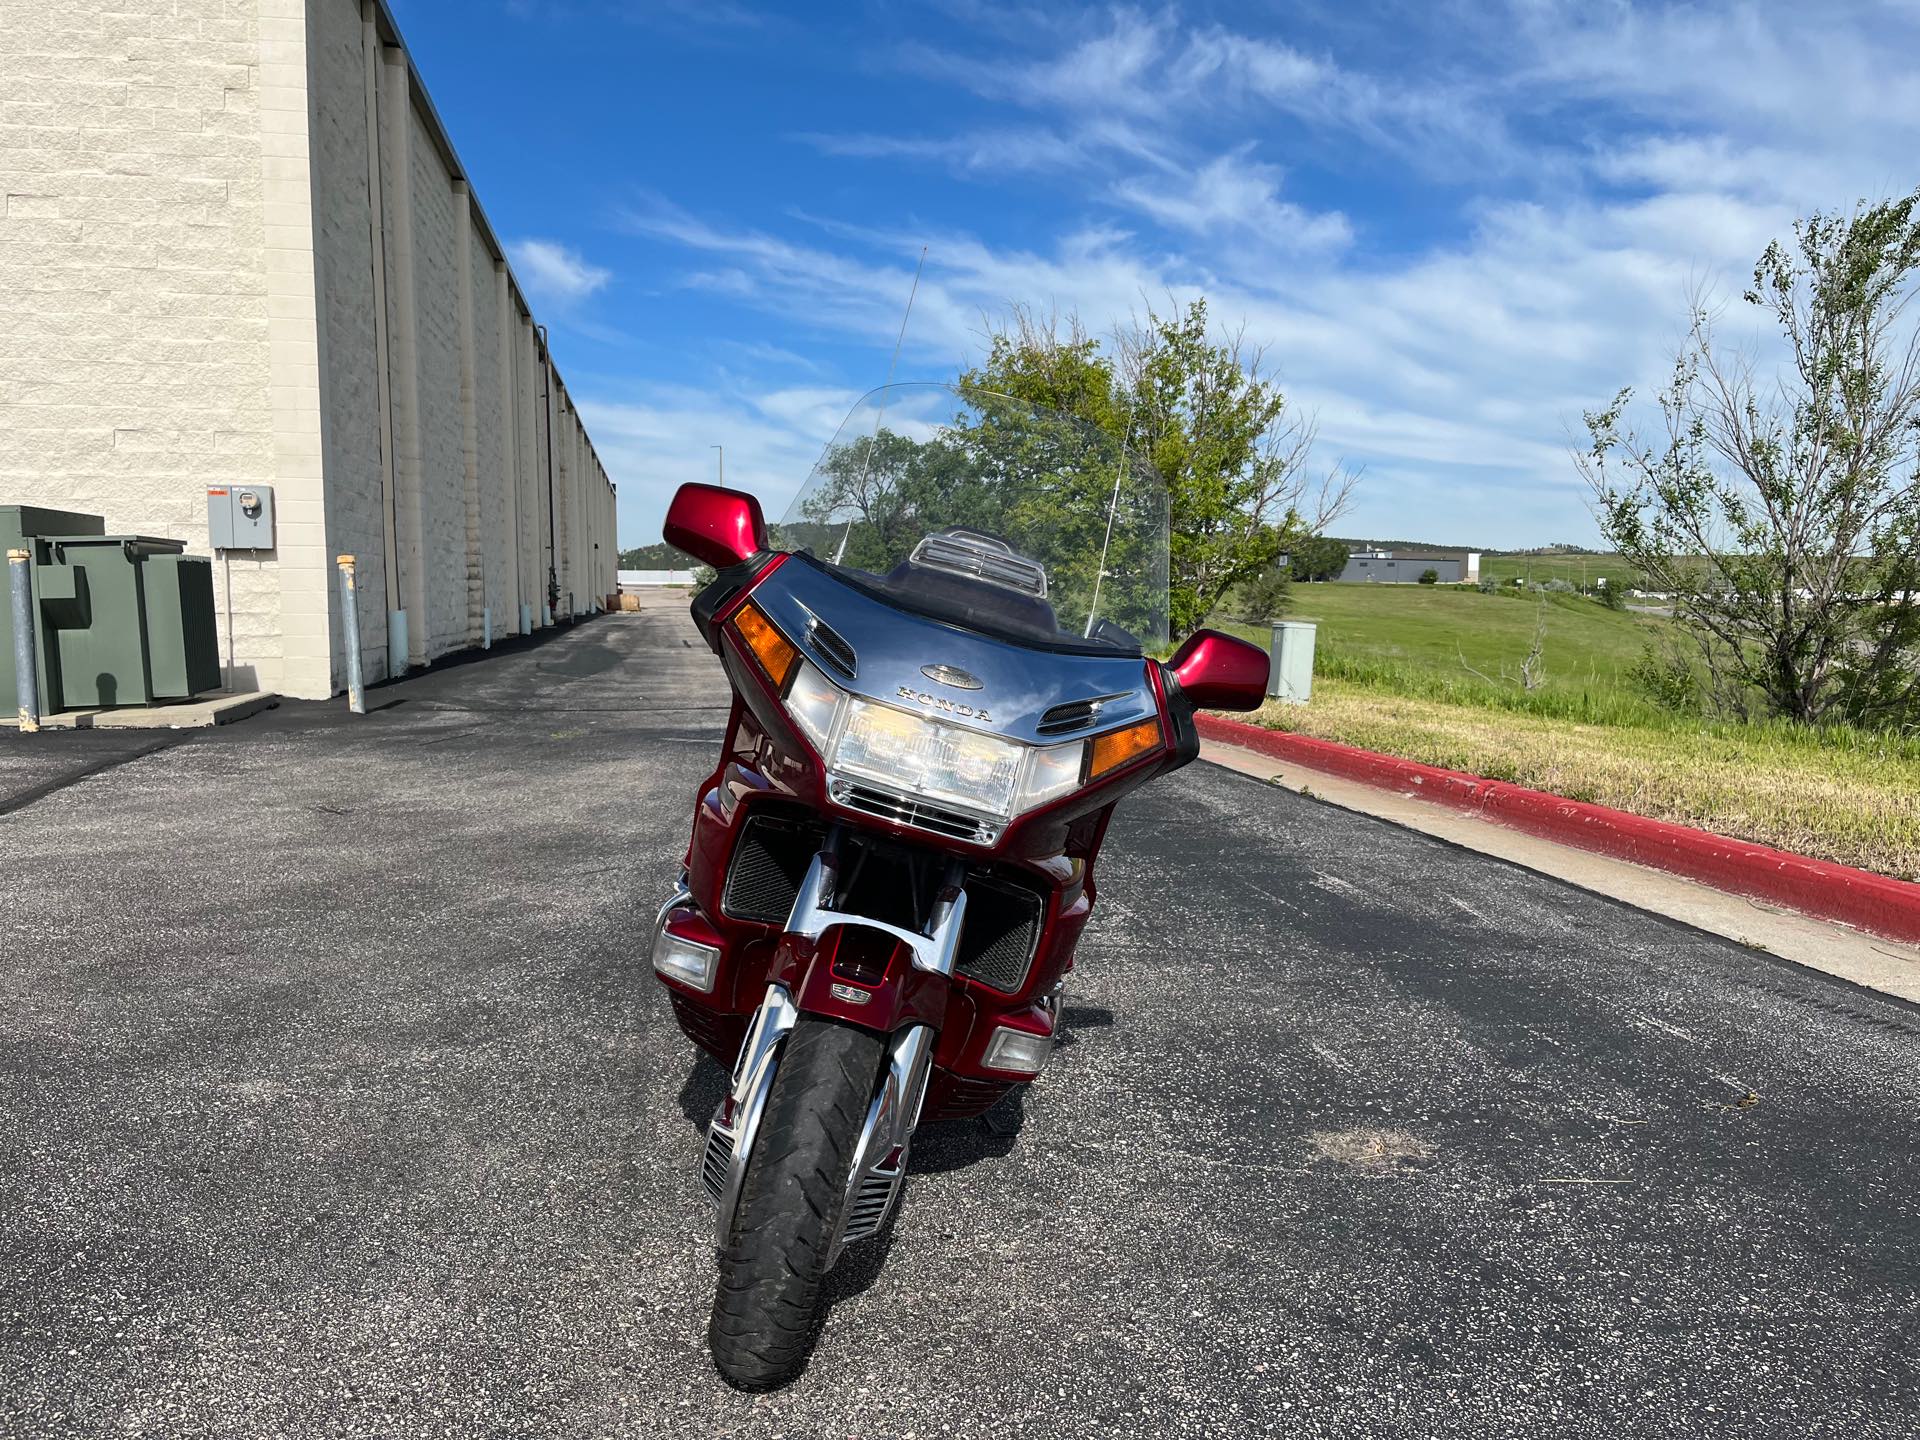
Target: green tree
(1317,558)
(1429,577)
(1199,408)
(1782,510)
(1057,488)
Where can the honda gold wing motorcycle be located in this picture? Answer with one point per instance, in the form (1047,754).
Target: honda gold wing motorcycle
(942,676)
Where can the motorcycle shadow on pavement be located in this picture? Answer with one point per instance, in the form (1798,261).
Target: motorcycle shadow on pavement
(940,1146)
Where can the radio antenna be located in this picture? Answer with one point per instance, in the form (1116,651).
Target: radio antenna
(898,341)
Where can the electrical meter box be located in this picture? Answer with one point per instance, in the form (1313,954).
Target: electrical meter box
(240,517)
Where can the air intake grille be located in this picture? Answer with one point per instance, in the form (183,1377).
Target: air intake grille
(833,647)
(1001,933)
(1074,714)
(870,1204)
(905,811)
(768,865)
(717,1161)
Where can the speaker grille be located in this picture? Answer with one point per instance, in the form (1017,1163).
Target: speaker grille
(768,865)
(1002,931)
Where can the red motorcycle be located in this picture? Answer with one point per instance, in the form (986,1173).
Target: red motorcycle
(942,684)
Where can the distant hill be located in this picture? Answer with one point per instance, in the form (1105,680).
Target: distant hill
(658,556)
(1434,547)
(1411,547)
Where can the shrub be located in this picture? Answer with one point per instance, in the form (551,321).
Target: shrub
(1665,677)
(1266,596)
(1611,596)
(1429,577)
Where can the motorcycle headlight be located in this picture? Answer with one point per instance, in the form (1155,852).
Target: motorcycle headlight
(945,763)
(917,754)
(814,703)
(1052,771)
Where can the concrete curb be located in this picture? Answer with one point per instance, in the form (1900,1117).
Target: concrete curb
(222,708)
(1859,898)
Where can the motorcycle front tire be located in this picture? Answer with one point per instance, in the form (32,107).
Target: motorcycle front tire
(766,1311)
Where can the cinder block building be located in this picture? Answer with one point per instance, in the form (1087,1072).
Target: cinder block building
(238,249)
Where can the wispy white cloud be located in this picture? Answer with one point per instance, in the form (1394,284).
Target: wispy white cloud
(1151,69)
(552,271)
(1596,162)
(653,445)
(1234,192)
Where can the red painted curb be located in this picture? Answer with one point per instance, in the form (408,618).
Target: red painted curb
(1860,898)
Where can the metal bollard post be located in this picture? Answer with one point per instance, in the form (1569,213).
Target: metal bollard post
(26,671)
(350,618)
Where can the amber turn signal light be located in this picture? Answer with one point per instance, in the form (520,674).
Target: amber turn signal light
(768,645)
(1117,747)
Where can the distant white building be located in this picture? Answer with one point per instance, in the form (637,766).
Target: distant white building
(1383,567)
(632,580)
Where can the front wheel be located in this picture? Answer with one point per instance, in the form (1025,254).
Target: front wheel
(774,1263)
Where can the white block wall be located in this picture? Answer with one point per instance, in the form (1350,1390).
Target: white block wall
(202,287)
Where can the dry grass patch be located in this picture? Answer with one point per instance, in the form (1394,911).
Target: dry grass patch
(1854,802)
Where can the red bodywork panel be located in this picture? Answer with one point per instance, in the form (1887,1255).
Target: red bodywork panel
(765,761)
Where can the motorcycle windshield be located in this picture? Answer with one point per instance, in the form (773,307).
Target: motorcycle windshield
(990,513)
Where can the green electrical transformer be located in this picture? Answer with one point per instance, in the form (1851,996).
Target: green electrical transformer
(118,619)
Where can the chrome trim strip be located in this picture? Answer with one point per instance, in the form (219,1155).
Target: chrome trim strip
(935,951)
(873,1186)
(679,899)
(752,1080)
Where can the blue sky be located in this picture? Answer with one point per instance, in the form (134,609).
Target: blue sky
(1452,226)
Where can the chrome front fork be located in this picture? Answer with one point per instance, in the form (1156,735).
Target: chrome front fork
(880,1159)
(731,1132)
(880,1155)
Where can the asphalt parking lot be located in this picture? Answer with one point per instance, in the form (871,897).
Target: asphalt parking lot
(336,1099)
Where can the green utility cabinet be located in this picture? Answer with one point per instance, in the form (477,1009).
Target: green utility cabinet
(21,528)
(119,619)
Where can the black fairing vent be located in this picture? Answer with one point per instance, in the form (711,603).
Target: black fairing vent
(833,647)
(1071,715)
(768,865)
(1000,935)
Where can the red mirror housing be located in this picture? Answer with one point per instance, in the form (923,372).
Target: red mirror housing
(1218,672)
(716,526)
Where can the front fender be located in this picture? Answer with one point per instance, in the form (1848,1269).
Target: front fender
(863,975)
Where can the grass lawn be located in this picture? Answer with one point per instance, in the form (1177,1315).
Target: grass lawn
(1433,626)
(1574,569)
(1389,677)
(1432,639)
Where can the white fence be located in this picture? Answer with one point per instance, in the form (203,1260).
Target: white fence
(641,579)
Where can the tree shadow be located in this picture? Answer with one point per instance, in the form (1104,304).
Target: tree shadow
(703,1089)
